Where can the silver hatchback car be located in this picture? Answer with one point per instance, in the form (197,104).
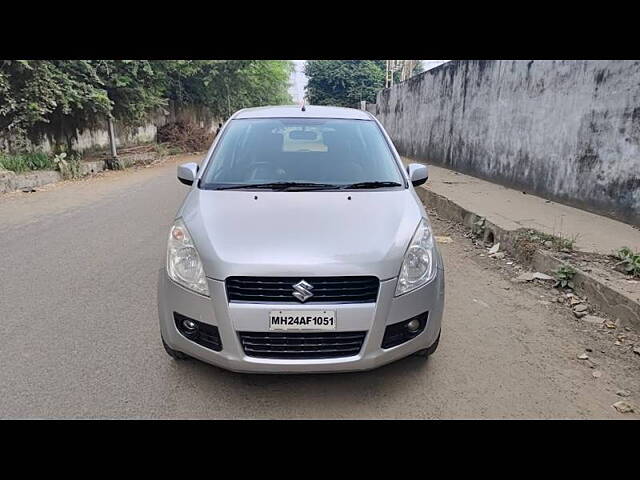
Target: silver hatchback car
(301,247)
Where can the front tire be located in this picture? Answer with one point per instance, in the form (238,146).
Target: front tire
(426,352)
(175,354)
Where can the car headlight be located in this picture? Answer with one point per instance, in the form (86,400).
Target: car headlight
(418,266)
(183,262)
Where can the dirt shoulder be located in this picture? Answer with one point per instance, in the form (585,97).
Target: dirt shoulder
(598,357)
(55,198)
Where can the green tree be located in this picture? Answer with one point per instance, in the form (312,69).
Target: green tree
(62,96)
(135,87)
(264,83)
(33,93)
(344,82)
(225,86)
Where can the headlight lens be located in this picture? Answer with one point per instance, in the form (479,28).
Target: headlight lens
(183,262)
(418,266)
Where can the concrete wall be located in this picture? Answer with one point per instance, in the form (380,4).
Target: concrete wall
(567,130)
(371,108)
(97,138)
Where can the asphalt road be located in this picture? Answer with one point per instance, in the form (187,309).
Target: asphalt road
(79,334)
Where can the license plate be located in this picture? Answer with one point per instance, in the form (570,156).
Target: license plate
(302,320)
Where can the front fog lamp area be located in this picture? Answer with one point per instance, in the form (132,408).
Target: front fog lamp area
(183,262)
(198,332)
(401,332)
(418,266)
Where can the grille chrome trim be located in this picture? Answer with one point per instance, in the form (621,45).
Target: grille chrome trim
(356,289)
(303,346)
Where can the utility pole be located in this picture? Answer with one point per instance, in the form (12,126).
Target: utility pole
(392,67)
(407,69)
(112,162)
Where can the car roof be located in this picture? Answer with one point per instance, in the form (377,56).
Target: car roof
(295,111)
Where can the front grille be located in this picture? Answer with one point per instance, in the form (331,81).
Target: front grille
(301,345)
(325,289)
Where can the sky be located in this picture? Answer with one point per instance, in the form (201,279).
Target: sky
(429,64)
(298,79)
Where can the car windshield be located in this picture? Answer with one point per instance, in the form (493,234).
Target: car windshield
(302,153)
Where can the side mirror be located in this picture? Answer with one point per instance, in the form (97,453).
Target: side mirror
(418,173)
(187,173)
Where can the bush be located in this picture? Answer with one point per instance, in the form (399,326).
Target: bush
(68,166)
(564,277)
(25,162)
(186,136)
(629,261)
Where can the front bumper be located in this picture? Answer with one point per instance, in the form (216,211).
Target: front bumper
(231,318)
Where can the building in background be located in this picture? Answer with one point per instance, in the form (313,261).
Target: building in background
(401,70)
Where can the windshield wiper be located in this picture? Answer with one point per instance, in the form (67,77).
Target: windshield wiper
(371,185)
(280,186)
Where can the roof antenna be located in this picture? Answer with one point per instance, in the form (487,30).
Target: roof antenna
(304,109)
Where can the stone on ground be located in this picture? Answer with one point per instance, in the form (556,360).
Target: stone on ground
(623,407)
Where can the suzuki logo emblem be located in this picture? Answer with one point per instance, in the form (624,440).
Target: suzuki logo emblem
(302,290)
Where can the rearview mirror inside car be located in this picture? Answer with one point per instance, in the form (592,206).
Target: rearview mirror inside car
(303,135)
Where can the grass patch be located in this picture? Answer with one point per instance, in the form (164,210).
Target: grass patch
(164,149)
(559,243)
(25,162)
(525,248)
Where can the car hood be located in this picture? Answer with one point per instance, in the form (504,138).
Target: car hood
(301,233)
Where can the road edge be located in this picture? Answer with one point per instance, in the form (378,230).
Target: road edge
(613,302)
